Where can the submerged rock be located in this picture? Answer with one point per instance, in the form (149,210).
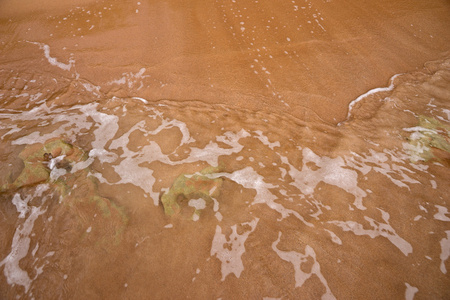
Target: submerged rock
(188,187)
(430,139)
(54,163)
(40,159)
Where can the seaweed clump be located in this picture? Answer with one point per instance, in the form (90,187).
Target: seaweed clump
(429,140)
(65,168)
(192,186)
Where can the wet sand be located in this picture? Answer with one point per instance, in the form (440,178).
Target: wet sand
(318,55)
(230,149)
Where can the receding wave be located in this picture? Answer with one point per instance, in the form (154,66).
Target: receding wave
(206,150)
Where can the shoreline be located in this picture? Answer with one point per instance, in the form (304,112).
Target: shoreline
(321,57)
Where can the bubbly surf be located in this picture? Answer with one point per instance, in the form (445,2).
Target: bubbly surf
(108,193)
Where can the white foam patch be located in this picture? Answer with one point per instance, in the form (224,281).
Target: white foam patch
(218,216)
(141,99)
(198,204)
(21,205)
(71,119)
(167,124)
(445,251)
(22,95)
(131,171)
(12,129)
(212,151)
(131,79)
(433,184)
(94,89)
(333,171)
(265,140)
(55,173)
(379,229)
(334,237)
(107,125)
(416,131)
(20,245)
(387,163)
(447,112)
(52,60)
(297,259)
(75,119)
(35,249)
(442,213)
(415,150)
(371,92)
(229,251)
(410,291)
(250,179)
(421,135)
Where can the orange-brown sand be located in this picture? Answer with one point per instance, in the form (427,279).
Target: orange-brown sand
(146,90)
(287,56)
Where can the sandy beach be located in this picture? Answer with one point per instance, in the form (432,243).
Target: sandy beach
(300,57)
(224,149)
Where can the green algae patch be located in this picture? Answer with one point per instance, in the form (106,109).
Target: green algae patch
(429,140)
(187,187)
(37,158)
(54,163)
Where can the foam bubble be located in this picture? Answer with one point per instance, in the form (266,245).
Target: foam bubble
(332,171)
(379,229)
(52,60)
(445,251)
(21,241)
(296,259)
(410,291)
(441,214)
(230,256)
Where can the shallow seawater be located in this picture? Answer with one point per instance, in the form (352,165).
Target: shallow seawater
(107,195)
(303,208)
